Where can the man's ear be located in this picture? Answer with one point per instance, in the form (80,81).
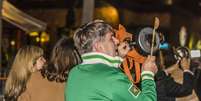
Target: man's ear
(97,47)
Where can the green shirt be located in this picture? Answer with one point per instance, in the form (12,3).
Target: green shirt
(98,78)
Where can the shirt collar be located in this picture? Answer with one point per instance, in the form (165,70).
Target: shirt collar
(96,57)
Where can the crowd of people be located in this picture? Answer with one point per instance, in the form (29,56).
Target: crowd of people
(87,67)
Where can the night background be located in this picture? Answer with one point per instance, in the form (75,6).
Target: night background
(62,17)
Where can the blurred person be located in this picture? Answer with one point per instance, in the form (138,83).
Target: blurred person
(167,88)
(28,60)
(63,57)
(99,77)
(48,85)
(197,86)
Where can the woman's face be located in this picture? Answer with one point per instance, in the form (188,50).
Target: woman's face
(39,63)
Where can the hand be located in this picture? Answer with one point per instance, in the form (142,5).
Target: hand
(123,49)
(172,68)
(150,65)
(185,64)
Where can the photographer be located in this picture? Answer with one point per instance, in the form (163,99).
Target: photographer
(167,88)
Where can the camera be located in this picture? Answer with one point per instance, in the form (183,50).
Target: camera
(182,52)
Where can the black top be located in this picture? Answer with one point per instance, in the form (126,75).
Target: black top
(198,83)
(168,89)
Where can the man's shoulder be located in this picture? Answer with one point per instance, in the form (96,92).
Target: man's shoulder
(94,67)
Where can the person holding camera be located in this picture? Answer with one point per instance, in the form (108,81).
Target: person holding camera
(167,88)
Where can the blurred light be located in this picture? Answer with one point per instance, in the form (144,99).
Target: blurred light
(191,42)
(182,36)
(42,40)
(108,13)
(33,34)
(198,45)
(168,2)
(199,4)
(37,39)
(12,43)
(164,46)
(195,53)
(44,37)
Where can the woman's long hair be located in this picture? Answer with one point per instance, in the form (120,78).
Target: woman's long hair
(20,72)
(63,57)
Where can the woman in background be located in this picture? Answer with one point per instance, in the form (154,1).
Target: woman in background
(64,56)
(29,59)
(48,85)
